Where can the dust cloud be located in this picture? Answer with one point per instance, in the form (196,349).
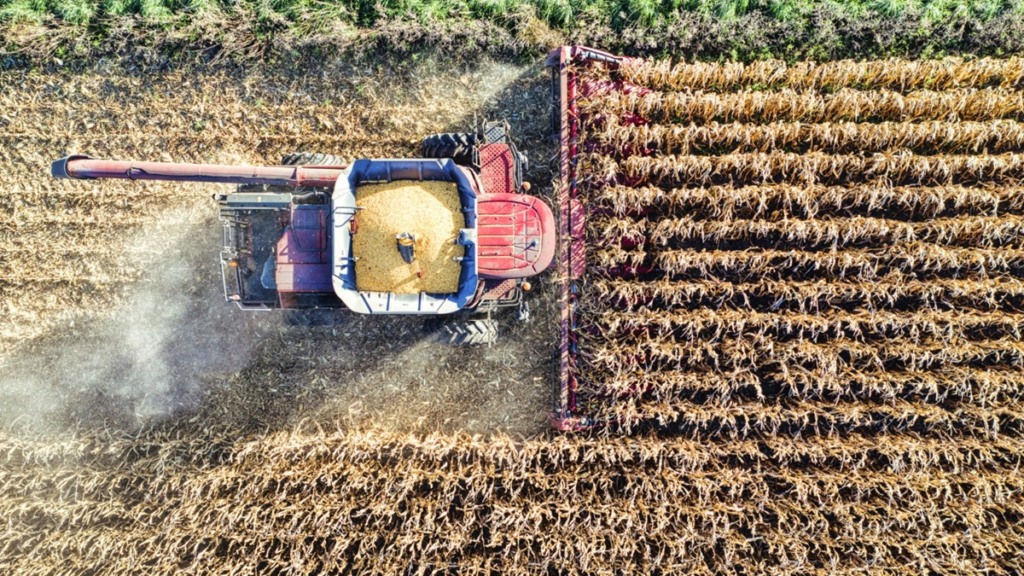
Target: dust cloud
(143,361)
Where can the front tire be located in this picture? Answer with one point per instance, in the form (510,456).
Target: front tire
(458,146)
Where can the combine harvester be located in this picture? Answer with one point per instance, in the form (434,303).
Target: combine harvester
(291,243)
(291,233)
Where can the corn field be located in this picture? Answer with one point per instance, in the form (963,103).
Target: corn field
(307,503)
(822,255)
(800,325)
(774,246)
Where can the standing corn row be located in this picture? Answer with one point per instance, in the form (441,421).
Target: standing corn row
(385,504)
(773,245)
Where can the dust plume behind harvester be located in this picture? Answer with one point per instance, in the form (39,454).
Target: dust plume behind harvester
(452,234)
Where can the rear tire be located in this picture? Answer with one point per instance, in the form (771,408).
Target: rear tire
(463,332)
(458,146)
(311,159)
(294,159)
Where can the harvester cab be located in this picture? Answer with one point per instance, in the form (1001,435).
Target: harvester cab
(451,234)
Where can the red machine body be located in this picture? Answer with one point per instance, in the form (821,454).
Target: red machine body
(511,230)
(304,252)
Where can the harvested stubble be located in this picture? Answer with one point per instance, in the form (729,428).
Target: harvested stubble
(432,213)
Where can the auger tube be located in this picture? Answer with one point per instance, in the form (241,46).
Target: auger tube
(83,167)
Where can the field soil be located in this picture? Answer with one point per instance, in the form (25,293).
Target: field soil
(111,311)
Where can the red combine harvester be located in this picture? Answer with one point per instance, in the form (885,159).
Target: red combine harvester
(287,216)
(288,230)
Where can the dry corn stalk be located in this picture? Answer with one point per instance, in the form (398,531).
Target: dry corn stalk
(811,234)
(783,201)
(892,74)
(913,260)
(929,137)
(788,105)
(766,241)
(894,291)
(900,168)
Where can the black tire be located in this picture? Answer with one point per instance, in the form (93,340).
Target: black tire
(310,159)
(458,146)
(466,332)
